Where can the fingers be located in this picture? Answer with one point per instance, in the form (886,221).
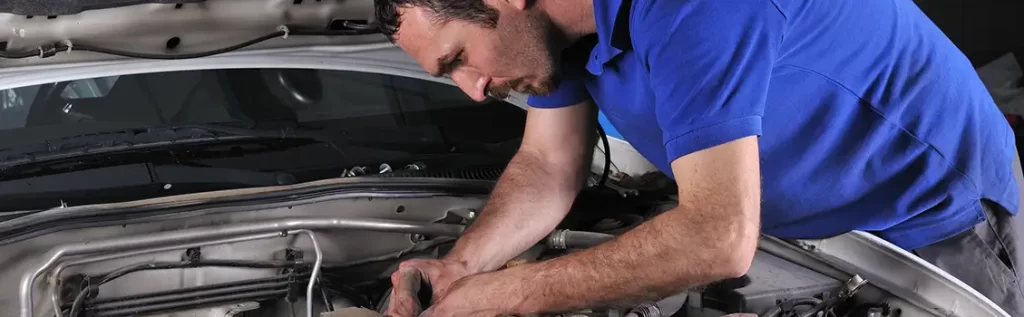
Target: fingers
(406,283)
(407,280)
(410,288)
(411,274)
(411,280)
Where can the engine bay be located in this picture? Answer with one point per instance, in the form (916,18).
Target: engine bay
(320,255)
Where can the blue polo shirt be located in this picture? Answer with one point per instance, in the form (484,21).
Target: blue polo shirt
(869,118)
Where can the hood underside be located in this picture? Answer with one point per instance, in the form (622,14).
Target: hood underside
(65,7)
(46,32)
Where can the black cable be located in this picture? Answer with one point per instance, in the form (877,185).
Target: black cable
(607,156)
(103,279)
(323,293)
(53,49)
(254,283)
(16,55)
(113,51)
(148,299)
(778,309)
(76,306)
(817,308)
(421,246)
(190,304)
(359,26)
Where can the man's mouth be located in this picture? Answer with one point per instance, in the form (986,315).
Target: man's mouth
(501,91)
(500,95)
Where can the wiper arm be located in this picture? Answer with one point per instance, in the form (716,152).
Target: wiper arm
(142,138)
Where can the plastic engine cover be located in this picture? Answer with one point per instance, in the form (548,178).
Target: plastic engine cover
(769,281)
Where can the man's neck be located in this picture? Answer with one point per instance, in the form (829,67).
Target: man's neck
(575,18)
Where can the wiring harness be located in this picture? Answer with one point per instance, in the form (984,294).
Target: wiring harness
(294,274)
(51,50)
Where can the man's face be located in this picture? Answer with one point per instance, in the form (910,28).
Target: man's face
(515,55)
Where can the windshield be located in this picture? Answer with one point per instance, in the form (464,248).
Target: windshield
(346,119)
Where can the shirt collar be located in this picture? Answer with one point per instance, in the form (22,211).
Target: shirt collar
(612,19)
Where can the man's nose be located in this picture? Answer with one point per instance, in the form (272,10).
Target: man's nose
(472,83)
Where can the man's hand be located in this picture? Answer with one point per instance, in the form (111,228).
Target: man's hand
(711,235)
(533,195)
(439,274)
(480,295)
(488,295)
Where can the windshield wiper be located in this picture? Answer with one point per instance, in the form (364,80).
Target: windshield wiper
(139,139)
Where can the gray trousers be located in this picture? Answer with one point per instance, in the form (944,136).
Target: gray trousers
(990,256)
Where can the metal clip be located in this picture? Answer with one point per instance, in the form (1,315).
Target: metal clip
(284,28)
(68,44)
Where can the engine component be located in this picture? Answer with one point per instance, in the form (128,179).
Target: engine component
(353,312)
(770,280)
(790,306)
(417,166)
(171,300)
(568,239)
(293,278)
(229,310)
(178,299)
(299,278)
(355,171)
(138,245)
(645,310)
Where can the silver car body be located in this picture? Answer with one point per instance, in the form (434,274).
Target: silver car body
(904,281)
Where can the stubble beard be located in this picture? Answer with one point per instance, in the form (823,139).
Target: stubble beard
(547,79)
(544,87)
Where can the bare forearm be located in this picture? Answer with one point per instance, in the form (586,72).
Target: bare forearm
(529,200)
(711,235)
(674,251)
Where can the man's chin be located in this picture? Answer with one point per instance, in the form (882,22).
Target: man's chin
(535,92)
(542,89)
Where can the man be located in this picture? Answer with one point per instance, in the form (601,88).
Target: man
(804,119)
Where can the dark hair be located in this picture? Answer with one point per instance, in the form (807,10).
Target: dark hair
(475,11)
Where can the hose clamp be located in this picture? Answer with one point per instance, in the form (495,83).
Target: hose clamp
(557,239)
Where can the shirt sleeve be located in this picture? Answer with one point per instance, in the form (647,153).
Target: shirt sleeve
(709,63)
(571,90)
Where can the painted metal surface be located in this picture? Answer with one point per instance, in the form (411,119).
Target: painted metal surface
(902,274)
(916,282)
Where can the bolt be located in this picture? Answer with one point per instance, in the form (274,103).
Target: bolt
(806,246)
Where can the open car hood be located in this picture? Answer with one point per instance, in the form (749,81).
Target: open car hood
(63,31)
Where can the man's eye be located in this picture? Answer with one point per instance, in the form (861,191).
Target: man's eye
(455,64)
(450,65)
(457,61)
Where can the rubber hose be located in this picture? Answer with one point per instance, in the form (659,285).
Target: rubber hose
(777,310)
(817,308)
(568,239)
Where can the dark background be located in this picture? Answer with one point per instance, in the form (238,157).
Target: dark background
(983,29)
